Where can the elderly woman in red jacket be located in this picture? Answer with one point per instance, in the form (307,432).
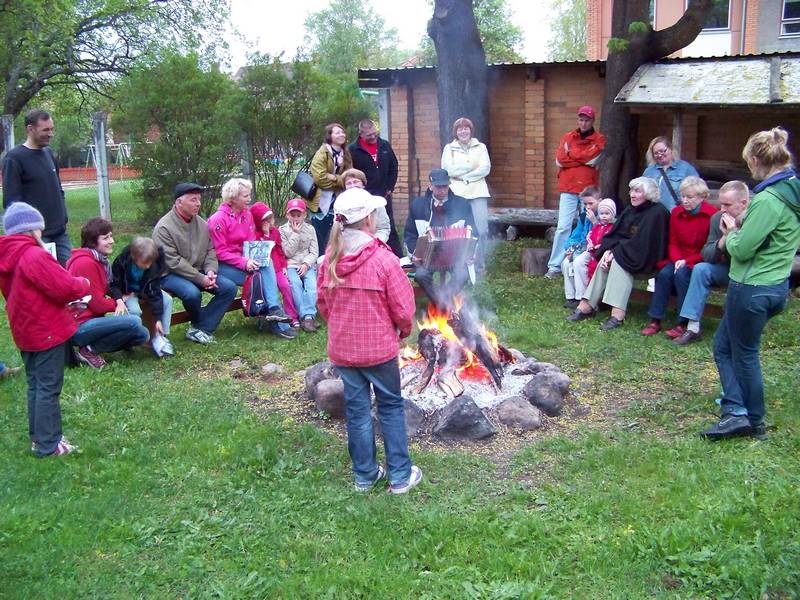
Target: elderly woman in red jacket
(36,305)
(689,223)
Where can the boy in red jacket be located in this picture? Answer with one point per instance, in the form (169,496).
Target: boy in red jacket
(97,332)
(368,302)
(37,290)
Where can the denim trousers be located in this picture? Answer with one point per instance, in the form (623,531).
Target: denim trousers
(132,303)
(63,246)
(704,276)
(111,333)
(668,282)
(576,275)
(208,317)
(44,372)
(322,227)
(269,286)
(385,381)
(304,291)
(567,210)
(737,343)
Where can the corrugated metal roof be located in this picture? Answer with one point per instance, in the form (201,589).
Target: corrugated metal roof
(771,79)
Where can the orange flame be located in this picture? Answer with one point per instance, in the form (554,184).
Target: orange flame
(471,369)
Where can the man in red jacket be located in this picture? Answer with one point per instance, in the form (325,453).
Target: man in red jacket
(578,155)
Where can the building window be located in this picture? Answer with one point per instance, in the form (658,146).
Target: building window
(790,23)
(719,15)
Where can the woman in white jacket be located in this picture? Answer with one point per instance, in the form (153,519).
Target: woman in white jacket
(466,160)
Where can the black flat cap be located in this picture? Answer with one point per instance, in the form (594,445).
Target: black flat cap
(185,188)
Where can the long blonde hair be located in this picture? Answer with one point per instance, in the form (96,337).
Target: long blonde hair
(336,245)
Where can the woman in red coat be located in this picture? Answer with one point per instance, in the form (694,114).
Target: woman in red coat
(689,223)
(37,290)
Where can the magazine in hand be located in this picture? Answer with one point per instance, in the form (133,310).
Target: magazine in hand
(259,251)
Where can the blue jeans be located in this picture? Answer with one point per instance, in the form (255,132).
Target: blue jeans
(704,276)
(322,227)
(63,246)
(385,381)
(44,372)
(304,291)
(132,303)
(112,333)
(269,286)
(208,317)
(567,210)
(668,282)
(442,294)
(737,343)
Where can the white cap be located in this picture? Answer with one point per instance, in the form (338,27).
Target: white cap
(355,204)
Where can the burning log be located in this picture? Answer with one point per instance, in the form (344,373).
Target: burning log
(472,335)
(439,352)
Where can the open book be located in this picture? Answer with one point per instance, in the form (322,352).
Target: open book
(259,251)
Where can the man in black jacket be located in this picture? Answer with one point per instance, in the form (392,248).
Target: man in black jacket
(30,175)
(439,207)
(376,159)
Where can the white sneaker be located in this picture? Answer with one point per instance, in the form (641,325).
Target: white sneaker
(199,336)
(413,481)
(366,487)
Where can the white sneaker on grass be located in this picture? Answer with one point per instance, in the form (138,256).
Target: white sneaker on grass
(193,334)
(367,487)
(413,481)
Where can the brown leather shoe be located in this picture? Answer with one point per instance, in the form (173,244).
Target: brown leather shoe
(686,338)
(308,325)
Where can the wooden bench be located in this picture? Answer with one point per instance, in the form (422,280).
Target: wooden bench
(182,316)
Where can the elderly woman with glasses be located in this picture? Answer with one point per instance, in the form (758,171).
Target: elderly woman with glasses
(668,170)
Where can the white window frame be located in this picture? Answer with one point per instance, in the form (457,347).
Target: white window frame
(785,21)
(715,29)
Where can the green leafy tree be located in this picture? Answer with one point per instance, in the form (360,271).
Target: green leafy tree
(501,38)
(86,43)
(567,31)
(276,111)
(184,131)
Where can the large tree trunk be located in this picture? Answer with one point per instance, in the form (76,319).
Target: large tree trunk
(620,157)
(461,72)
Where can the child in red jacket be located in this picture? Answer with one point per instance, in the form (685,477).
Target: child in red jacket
(368,302)
(606,213)
(264,220)
(37,291)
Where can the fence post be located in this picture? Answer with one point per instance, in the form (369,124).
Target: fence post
(8,132)
(246,150)
(99,120)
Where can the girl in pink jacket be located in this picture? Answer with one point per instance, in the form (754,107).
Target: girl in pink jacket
(368,302)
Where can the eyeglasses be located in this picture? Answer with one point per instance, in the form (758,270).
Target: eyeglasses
(661,152)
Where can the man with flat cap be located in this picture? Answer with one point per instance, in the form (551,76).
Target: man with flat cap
(438,207)
(192,264)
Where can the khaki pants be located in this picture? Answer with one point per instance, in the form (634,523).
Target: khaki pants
(613,287)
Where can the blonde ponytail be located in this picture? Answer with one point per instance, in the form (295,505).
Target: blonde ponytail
(767,150)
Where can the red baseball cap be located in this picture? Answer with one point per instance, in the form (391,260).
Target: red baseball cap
(295,204)
(587,111)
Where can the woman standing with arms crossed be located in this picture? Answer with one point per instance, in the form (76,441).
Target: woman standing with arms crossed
(368,302)
(761,248)
(467,162)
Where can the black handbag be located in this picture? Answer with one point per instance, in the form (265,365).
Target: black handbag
(304,185)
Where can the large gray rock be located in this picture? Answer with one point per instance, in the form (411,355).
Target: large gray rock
(517,354)
(415,419)
(518,413)
(316,373)
(329,397)
(531,366)
(462,419)
(547,390)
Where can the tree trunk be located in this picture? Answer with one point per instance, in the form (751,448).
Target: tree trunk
(461,82)
(621,157)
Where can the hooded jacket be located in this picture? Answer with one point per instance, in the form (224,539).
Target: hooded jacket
(258,210)
(371,309)
(82,263)
(229,231)
(37,290)
(577,159)
(150,284)
(763,248)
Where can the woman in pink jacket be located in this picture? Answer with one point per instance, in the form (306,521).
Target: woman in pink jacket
(368,302)
(229,228)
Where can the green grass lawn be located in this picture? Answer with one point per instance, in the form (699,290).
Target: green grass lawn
(183,490)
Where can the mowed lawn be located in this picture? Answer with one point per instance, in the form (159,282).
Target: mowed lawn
(183,490)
